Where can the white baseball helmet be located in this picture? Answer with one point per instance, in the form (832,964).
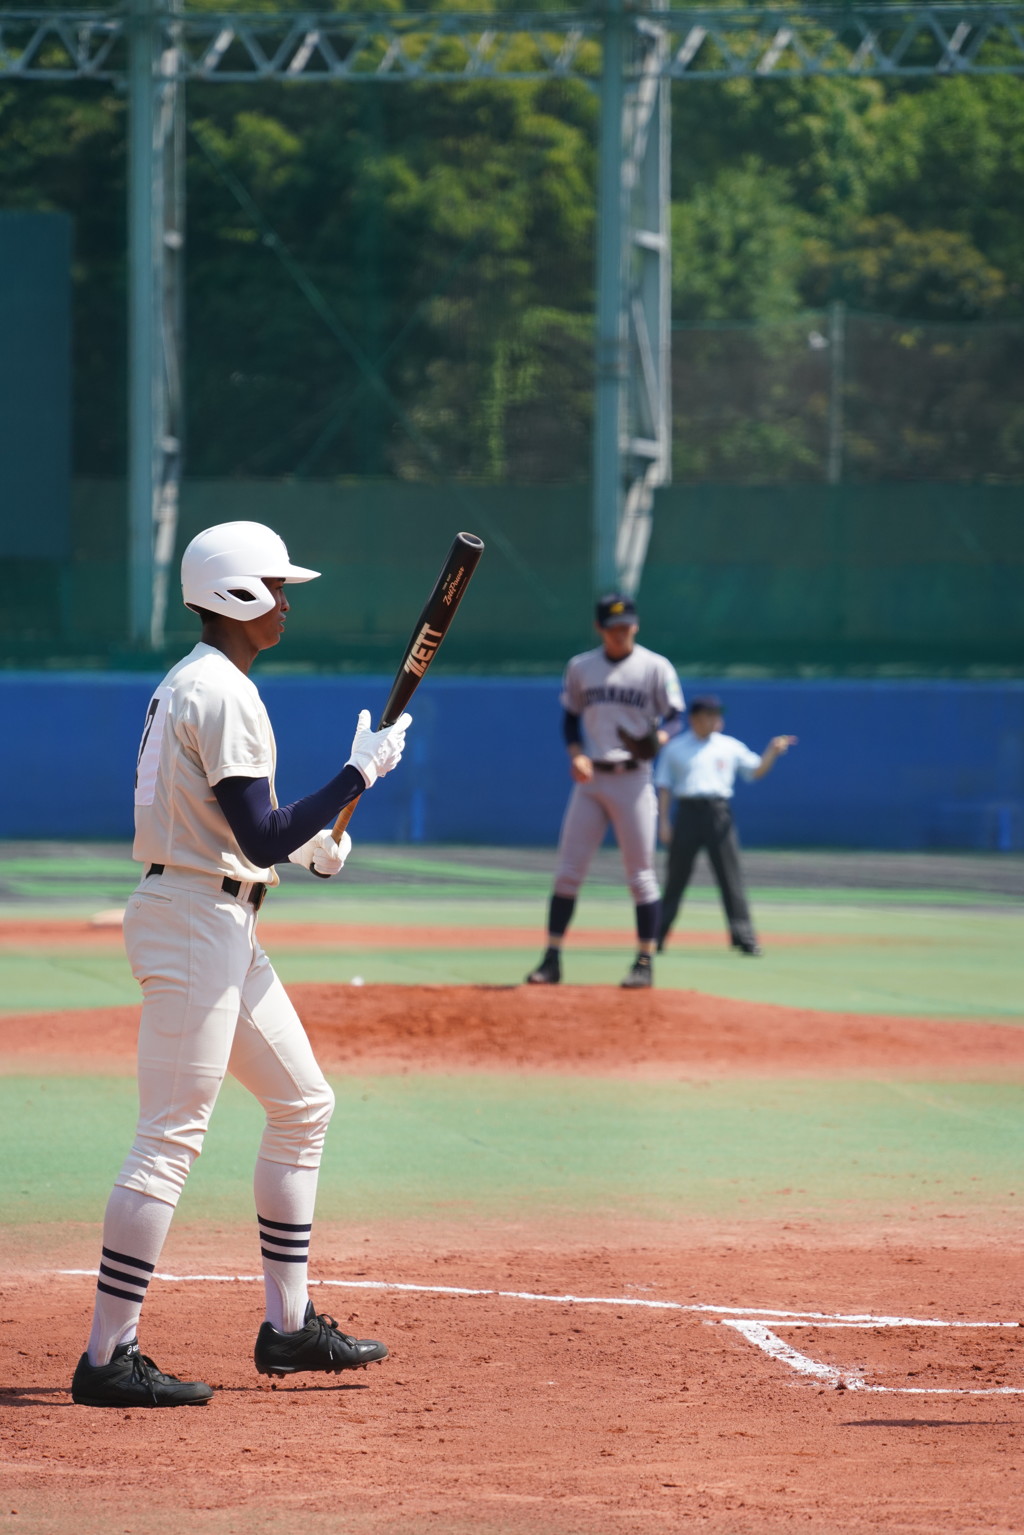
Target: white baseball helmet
(223,569)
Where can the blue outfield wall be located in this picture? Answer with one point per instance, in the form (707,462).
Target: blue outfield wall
(878,765)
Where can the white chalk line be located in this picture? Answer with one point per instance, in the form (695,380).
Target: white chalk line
(795,1318)
(777,1348)
(743,1319)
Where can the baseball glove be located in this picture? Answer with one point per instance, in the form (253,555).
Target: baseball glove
(645,747)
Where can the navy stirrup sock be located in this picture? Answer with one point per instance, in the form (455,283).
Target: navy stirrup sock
(560,914)
(648,918)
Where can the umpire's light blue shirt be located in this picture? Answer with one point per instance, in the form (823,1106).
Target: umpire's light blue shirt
(696,769)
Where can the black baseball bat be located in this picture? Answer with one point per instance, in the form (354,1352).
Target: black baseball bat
(425,641)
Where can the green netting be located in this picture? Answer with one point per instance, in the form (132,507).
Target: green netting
(842,577)
(379,545)
(849,397)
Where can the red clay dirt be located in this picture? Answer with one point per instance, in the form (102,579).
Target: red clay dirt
(568,1028)
(528,1412)
(106,933)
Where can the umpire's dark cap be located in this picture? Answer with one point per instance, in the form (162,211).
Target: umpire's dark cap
(707,703)
(616,608)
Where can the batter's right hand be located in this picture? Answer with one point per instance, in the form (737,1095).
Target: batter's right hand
(376,752)
(581,768)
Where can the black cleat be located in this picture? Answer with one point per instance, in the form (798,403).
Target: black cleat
(753,949)
(316,1346)
(548,972)
(132,1380)
(641,974)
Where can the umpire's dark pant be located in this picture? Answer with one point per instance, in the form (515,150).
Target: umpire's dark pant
(706,823)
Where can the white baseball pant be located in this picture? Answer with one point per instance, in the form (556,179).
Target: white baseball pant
(626,801)
(212,1003)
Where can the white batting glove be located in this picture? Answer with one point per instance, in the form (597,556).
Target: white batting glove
(322,854)
(376,752)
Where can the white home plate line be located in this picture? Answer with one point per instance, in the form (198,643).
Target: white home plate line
(780,1317)
(743,1319)
(775,1347)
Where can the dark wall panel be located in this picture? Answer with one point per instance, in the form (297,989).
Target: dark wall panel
(35,386)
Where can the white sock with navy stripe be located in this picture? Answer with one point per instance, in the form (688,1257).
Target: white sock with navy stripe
(285,1197)
(134,1228)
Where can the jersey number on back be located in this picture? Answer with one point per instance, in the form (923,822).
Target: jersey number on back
(149,747)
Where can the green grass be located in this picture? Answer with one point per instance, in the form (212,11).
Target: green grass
(508,1147)
(931,962)
(493,906)
(48,879)
(505,1146)
(936,952)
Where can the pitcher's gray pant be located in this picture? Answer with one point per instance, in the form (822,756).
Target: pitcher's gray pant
(625,801)
(708,824)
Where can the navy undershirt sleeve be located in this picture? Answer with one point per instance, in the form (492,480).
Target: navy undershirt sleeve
(571,728)
(265,835)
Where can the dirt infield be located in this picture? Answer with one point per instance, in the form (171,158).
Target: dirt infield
(571,1028)
(516,1417)
(104,932)
(639,1379)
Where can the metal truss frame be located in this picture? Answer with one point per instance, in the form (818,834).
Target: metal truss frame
(628,50)
(702,44)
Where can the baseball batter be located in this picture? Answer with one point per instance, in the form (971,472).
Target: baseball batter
(615,699)
(208,832)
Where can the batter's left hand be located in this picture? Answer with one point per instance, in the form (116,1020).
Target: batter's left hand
(322,854)
(329,856)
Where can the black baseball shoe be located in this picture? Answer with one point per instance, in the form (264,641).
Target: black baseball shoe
(754,949)
(641,974)
(316,1346)
(548,972)
(132,1380)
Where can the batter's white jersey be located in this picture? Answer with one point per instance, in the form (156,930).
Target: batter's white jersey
(206,721)
(696,769)
(634,693)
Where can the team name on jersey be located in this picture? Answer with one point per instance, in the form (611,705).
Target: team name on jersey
(635,697)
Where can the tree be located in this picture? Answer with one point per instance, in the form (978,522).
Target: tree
(951,156)
(927,274)
(737,250)
(434,252)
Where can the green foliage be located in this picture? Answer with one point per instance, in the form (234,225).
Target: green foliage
(737,251)
(909,202)
(398,280)
(819,132)
(432,234)
(882,266)
(952,157)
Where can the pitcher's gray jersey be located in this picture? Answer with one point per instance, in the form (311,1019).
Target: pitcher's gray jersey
(634,693)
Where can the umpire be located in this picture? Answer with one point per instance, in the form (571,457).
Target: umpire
(698,769)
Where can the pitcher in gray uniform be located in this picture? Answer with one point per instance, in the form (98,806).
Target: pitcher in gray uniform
(615,699)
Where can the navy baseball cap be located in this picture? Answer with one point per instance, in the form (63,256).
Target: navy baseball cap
(706,703)
(615,609)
